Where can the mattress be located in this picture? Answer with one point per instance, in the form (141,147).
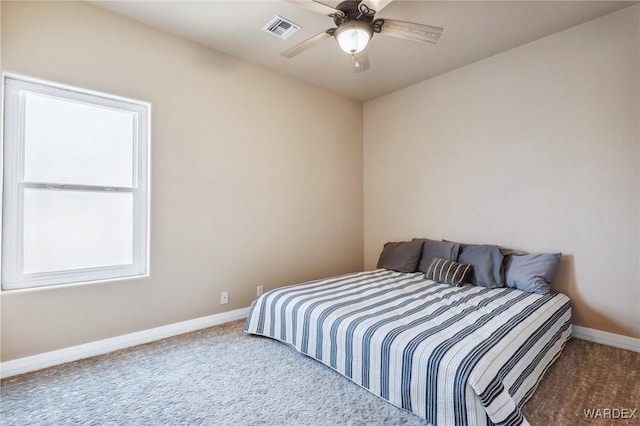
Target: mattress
(452,355)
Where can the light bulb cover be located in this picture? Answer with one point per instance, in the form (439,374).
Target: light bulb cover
(353,36)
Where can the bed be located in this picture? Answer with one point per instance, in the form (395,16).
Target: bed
(466,355)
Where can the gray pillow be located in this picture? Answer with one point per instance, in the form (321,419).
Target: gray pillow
(432,249)
(487,264)
(532,272)
(507,254)
(447,271)
(402,256)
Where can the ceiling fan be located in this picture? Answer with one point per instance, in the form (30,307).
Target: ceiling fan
(355,26)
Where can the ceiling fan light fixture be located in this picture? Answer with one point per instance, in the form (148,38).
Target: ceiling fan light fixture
(353,36)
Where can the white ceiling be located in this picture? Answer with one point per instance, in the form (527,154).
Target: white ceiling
(473,30)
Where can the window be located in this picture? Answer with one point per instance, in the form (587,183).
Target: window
(75,186)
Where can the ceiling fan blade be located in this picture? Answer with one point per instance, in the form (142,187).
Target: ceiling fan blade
(411,31)
(310,42)
(377,5)
(360,61)
(316,6)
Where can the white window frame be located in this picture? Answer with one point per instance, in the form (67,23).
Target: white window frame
(15,88)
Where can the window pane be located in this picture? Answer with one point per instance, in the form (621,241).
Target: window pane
(65,230)
(73,142)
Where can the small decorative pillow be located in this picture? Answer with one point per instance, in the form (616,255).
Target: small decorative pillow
(448,272)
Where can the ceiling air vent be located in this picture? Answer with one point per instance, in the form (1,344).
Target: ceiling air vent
(281,28)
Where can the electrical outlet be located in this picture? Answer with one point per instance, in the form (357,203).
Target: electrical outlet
(224,297)
(260,290)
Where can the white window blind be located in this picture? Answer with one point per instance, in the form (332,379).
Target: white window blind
(75,186)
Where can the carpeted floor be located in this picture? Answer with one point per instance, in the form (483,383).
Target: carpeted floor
(219,376)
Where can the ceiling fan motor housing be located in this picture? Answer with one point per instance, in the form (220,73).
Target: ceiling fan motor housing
(353,10)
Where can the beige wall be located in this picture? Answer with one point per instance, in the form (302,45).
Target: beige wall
(537,148)
(256,178)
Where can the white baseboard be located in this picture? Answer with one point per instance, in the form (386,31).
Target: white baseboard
(605,338)
(74,353)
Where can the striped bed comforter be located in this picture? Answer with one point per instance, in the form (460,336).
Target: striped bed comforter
(452,355)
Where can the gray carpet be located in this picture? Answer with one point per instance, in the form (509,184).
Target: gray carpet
(217,376)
